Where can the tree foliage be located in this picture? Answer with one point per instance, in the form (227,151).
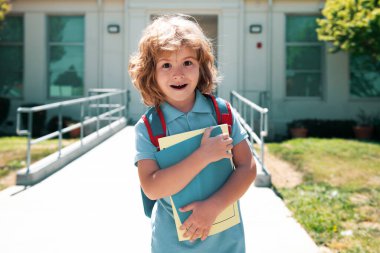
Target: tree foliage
(352,26)
(5,7)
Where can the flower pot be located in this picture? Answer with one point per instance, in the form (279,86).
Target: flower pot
(75,133)
(363,132)
(300,132)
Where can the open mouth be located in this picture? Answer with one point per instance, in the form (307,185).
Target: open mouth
(179,86)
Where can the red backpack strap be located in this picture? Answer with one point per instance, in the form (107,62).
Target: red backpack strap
(223,111)
(155,124)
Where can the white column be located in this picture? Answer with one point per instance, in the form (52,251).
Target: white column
(229,61)
(35,61)
(136,21)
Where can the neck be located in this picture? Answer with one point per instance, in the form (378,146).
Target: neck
(184,106)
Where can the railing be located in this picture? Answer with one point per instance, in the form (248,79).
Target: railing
(248,113)
(105,111)
(261,97)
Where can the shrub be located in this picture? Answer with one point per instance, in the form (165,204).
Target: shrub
(322,128)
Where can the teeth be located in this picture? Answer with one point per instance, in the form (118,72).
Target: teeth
(177,86)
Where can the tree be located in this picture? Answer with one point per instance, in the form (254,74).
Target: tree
(5,7)
(352,26)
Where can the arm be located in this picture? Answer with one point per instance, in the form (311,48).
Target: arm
(158,183)
(205,212)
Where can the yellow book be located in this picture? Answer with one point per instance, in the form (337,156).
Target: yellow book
(229,217)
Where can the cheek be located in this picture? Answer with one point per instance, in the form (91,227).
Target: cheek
(159,77)
(197,74)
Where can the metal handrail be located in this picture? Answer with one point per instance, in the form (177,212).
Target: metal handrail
(84,120)
(245,110)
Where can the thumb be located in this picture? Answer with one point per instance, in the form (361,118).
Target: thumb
(187,208)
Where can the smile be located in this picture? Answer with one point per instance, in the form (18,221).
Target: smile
(179,86)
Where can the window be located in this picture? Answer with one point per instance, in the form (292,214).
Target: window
(11,57)
(66,56)
(303,57)
(364,77)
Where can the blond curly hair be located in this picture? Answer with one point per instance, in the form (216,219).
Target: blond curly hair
(169,33)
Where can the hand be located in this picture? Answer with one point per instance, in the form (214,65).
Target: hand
(199,223)
(216,148)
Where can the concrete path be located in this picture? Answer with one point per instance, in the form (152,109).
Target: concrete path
(94,205)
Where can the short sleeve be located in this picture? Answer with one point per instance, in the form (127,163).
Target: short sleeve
(144,147)
(238,132)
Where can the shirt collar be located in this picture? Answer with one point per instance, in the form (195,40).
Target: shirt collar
(200,106)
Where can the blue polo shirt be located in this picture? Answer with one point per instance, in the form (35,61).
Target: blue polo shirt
(164,236)
(200,116)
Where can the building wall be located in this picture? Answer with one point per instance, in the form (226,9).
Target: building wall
(104,57)
(335,103)
(245,65)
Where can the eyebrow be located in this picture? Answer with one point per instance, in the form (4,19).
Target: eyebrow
(186,58)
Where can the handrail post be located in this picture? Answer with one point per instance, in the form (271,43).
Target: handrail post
(29,145)
(246,112)
(97,116)
(109,108)
(261,137)
(81,123)
(59,130)
(124,103)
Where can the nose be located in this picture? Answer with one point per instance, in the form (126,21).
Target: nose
(178,74)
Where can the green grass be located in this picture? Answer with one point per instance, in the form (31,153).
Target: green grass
(339,200)
(13,153)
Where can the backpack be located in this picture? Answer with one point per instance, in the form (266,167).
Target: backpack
(154,121)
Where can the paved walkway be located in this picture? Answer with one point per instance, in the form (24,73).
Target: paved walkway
(93,205)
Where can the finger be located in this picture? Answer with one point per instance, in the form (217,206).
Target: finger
(205,234)
(207,133)
(197,233)
(187,208)
(190,231)
(185,226)
(225,136)
(229,146)
(228,140)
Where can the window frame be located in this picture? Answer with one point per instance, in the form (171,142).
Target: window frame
(322,69)
(49,44)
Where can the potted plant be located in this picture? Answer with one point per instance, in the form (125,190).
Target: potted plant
(364,125)
(66,121)
(297,129)
(75,133)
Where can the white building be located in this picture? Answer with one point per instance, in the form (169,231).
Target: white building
(266,50)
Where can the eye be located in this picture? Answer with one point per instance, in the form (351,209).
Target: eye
(166,65)
(188,63)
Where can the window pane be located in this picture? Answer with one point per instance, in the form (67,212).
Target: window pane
(66,29)
(301,29)
(66,61)
(11,56)
(303,58)
(364,77)
(66,71)
(11,84)
(303,84)
(12,29)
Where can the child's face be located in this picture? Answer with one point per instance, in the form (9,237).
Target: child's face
(177,75)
